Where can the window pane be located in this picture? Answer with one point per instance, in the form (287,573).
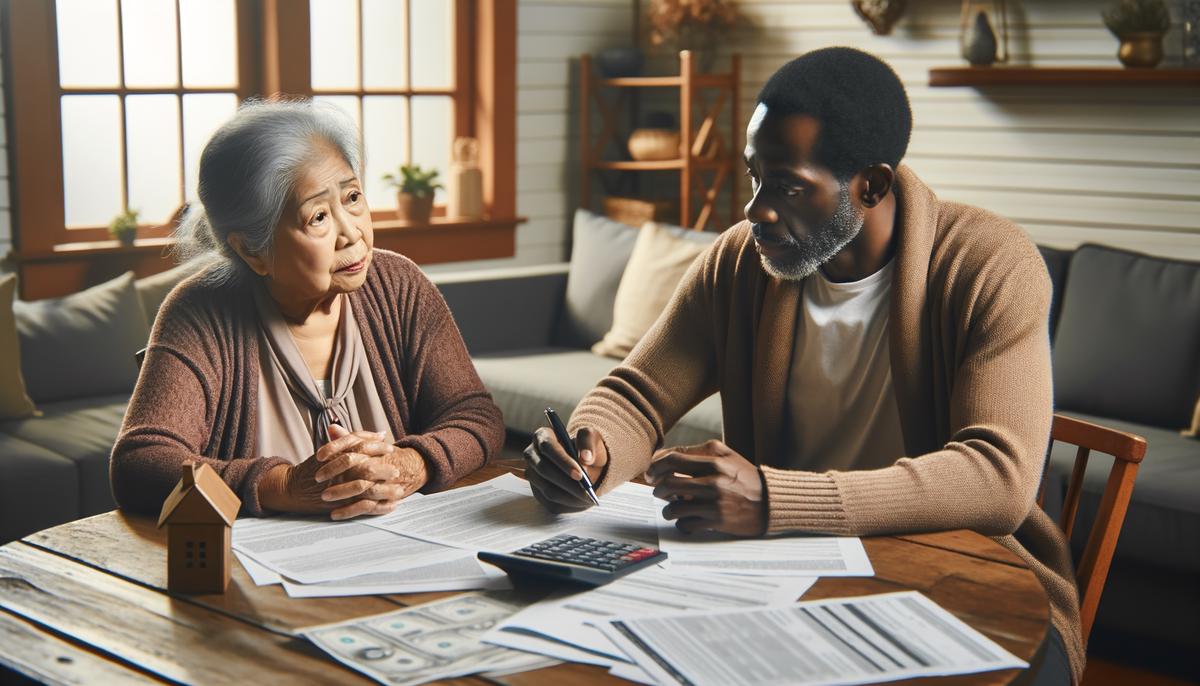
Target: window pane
(152,146)
(345,103)
(149,30)
(383,44)
(433,127)
(209,29)
(334,42)
(384,121)
(202,115)
(91,126)
(87,43)
(432,43)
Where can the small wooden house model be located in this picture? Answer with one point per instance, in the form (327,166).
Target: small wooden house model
(198,515)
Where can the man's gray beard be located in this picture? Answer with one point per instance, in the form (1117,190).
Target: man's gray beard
(804,259)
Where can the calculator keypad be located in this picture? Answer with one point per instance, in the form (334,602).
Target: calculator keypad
(588,552)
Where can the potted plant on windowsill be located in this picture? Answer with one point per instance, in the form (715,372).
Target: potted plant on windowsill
(123,227)
(1140,26)
(414,192)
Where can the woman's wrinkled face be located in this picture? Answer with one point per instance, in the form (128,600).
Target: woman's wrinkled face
(323,241)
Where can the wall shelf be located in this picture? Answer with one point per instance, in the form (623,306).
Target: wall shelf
(704,151)
(1061,76)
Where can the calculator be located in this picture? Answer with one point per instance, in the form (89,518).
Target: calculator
(577,559)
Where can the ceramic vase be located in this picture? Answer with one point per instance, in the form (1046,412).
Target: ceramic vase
(979,42)
(414,209)
(620,62)
(465,183)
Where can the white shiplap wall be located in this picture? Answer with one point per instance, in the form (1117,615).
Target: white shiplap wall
(5,202)
(1113,165)
(551,33)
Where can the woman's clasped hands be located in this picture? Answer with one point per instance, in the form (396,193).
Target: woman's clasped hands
(355,473)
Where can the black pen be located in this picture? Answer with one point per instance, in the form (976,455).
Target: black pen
(560,432)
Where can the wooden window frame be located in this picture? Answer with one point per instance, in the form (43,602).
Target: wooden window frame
(271,61)
(461,92)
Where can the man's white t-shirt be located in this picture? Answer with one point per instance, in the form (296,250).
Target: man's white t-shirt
(840,402)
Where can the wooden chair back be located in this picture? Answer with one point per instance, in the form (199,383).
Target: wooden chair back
(1128,450)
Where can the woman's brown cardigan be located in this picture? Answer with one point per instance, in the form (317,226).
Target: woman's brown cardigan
(197,395)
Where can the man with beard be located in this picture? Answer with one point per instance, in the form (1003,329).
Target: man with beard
(883,357)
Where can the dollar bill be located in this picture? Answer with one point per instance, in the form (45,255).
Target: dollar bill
(423,643)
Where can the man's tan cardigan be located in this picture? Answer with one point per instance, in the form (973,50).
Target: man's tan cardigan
(970,356)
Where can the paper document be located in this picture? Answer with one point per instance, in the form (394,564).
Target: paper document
(460,574)
(311,550)
(840,641)
(789,556)
(415,645)
(502,515)
(650,592)
(260,575)
(624,670)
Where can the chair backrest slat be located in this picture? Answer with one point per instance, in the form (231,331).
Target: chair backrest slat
(1128,450)
(1102,542)
(1071,505)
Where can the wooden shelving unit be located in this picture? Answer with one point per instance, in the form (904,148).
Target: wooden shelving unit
(698,131)
(1061,76)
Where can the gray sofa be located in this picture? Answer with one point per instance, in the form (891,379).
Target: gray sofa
(1126,332)
(78,365)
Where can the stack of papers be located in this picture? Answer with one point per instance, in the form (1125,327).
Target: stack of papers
(314,557)
(839,641)
(719,610)
(566,627)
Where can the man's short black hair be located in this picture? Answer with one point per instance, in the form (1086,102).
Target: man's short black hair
(859,101)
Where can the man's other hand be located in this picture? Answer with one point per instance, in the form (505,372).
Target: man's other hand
(709,486)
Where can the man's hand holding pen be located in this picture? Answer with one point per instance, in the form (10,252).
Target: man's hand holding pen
(555,477)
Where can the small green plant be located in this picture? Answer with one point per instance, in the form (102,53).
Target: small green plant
(123,227)
(414,180)
(1137,16)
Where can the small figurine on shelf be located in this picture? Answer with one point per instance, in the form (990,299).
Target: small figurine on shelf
(880,15)
(414,192)
(1140,26)
(198,515)
(123,227)
(466,180)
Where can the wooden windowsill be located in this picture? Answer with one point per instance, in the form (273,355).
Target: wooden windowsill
(447,223)
(391,230)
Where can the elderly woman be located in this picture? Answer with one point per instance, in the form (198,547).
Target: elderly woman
(312,372)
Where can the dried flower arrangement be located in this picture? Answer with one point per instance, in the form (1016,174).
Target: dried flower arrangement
(690,24)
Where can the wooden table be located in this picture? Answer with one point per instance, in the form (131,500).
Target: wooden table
(86,602)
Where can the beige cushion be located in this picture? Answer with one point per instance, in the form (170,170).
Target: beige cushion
(1194,431)
(660,258)
(153,289)
(14,401)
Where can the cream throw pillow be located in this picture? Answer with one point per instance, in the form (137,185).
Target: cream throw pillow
(660,258)
(14,401)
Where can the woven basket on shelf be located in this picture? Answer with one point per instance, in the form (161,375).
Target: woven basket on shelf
(636,211)
(647,145)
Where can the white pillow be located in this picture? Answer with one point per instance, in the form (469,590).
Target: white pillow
(660,258)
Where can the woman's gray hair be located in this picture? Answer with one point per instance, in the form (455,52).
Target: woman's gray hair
(247,173)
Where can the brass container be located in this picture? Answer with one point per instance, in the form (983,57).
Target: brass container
(1141,49)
